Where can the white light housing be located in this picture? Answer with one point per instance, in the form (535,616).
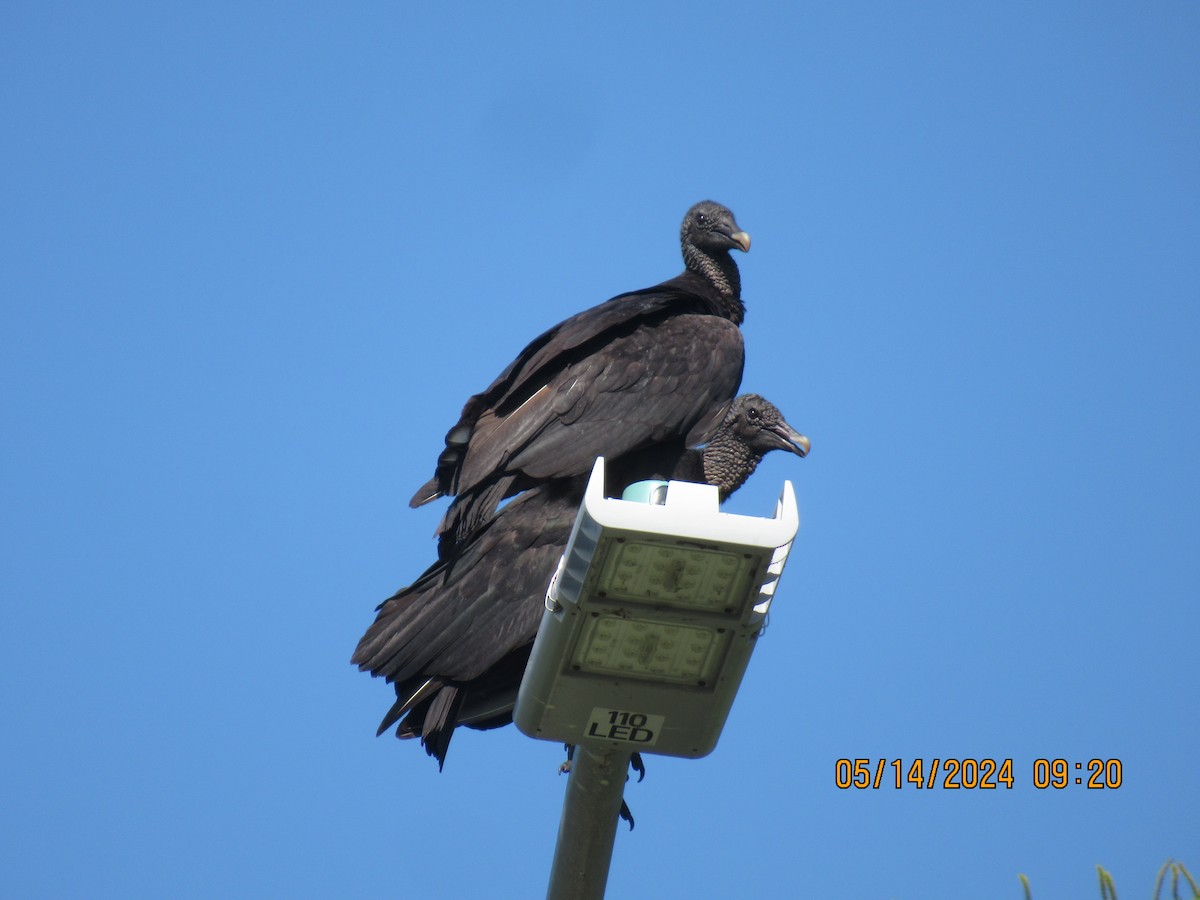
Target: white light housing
(651,619)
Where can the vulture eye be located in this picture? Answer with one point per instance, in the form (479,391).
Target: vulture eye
(752,414)
(701,219)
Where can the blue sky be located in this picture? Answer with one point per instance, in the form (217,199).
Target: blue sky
(253,258)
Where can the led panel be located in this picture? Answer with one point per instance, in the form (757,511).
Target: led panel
(679,576)
(643,648)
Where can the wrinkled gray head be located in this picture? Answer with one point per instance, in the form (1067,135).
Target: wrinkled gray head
(711,227)
(759,424)
(752,428)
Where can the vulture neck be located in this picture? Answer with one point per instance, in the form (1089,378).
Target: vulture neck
(728,462)
(720,272)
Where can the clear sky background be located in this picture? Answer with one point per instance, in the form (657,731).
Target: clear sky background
(254,257)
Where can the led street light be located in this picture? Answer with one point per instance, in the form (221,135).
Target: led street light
(651,619)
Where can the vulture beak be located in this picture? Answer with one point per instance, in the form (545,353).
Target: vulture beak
(785,437)
(742,240)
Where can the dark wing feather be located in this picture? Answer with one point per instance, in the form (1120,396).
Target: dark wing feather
(594,409)
(643,386)
(464,615)
(458,637)
(535,364)
(553,376)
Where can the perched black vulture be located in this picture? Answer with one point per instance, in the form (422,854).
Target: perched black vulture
(455,643)
(648,367)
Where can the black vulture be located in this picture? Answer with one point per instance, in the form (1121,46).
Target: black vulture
(647,367)
(455,642)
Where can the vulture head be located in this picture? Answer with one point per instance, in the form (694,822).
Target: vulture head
(711,228)
(752,428)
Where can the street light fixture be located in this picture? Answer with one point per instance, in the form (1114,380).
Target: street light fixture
(651,619)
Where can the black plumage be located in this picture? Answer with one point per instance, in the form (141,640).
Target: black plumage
(654,366)
(456,641)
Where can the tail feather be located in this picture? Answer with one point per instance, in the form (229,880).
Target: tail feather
(429,713)
(426,493)
(440,719)
(406,701)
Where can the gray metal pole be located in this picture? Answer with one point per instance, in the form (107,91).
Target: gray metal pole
(589,824)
